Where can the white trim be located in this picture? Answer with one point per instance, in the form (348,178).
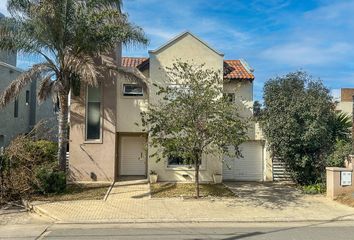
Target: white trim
(180,36)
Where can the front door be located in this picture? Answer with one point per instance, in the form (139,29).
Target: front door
(132,156)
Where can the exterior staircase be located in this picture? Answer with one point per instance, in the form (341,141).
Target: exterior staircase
(279,170)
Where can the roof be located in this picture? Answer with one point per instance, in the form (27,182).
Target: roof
(237,69)
(233,69)
(181,36)
(132,61)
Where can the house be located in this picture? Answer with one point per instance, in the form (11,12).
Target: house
(107,144)
(345,101)
(22,114)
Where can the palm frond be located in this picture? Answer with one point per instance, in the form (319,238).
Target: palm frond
(84,66)
(45,88)
(14,89)
(342,125)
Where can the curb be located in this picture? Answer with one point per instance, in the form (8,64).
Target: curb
(146,221)
(41,212)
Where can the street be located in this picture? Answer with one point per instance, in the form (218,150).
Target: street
(227,231)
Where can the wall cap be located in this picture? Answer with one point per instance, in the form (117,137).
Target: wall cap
(338,169)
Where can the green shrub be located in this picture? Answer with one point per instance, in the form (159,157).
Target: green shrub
(49,180)
(318,188)
(341,151)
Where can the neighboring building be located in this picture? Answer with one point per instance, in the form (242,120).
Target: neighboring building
(24,112)
(106,143)
(345,101)
(19,116)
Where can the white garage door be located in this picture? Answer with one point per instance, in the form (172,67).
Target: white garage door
(132,156)
(248,168)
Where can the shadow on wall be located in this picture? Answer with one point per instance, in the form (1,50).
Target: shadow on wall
(97,154)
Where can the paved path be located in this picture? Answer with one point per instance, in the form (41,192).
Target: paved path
(255,203)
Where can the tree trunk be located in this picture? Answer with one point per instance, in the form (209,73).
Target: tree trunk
(63,130)
(197,177)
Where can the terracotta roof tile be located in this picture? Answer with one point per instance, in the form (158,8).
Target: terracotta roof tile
(132,61)
(233,69)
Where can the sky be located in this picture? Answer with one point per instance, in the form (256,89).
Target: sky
(274,36)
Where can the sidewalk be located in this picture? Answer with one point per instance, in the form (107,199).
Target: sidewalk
(132,203)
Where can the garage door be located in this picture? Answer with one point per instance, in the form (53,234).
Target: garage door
(248,168)
(132,156)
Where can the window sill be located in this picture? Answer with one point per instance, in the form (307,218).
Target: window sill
(183,168)
(99,141)
(133,97)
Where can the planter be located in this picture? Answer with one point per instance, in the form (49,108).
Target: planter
(153,178)
(217,178)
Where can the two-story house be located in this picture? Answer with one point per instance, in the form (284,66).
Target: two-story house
(106,143)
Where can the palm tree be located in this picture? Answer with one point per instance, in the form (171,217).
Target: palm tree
(342,126)
(71,37)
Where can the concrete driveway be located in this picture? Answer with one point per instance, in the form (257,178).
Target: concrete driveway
(273,195)
(254,202)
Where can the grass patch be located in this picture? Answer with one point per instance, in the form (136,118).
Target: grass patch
(76,192)
(169,190)
(319,188)
(347,199)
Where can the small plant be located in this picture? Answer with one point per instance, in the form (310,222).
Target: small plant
(318,188)
(153,176)
(50,180)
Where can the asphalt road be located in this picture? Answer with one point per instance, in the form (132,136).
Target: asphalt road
(195,231)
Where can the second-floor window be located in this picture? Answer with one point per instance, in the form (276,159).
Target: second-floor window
(93,113)
(230,97)
(16,108)
(132,90)
(27,97)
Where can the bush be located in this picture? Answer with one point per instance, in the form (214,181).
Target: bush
(318,188)
(341,151)
(29,166)
(50,180)
(297,121)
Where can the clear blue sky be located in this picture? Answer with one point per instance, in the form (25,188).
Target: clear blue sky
(274,36)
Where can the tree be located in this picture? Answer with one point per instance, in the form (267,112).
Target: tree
(73,38)
(297,121)
(193,118)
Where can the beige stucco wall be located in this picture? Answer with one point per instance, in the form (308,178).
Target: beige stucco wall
(333,182)
(130,107)
(187,49)
(346,107)
(89,160)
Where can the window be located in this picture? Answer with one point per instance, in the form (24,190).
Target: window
(230,97)
(16,108)
(178,161)
(27,97)
(178,89)
(93,114)
(132,90)
(2,144)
